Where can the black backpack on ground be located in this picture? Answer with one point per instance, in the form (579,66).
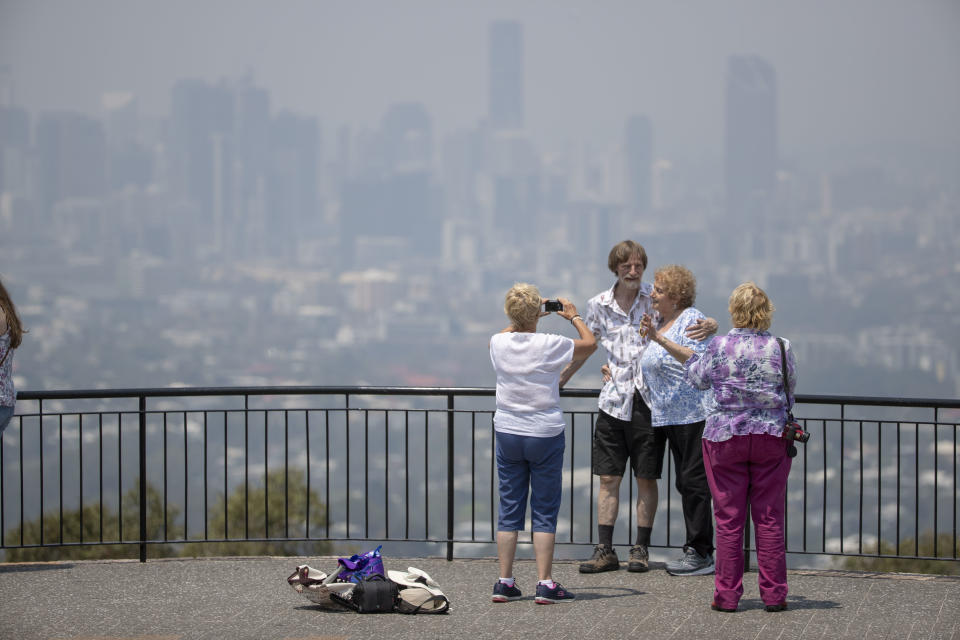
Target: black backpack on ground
(374,594)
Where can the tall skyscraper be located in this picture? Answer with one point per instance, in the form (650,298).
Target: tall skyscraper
(71,158)
(253,136)
(202,150)
(202,146)
(121,116)
(638,156)
(514,168)
(6,86)
(14,146)
(750,165)
(128,161)
(393,200)
(506,75)
(251,231)
(14,164)
(406,138)
(291,185)
(461,162)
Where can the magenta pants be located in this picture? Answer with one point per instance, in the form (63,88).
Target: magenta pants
(748,469)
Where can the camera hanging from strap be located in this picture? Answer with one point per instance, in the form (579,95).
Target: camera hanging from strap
(789,429)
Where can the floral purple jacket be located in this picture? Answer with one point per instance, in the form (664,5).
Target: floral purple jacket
(745,371)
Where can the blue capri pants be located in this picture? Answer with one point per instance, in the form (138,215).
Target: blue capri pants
(535,465)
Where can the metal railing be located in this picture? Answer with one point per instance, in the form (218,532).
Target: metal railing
(416,465)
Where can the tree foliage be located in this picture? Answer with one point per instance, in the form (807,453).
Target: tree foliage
(944,549)
(284,497)
(285,500)
(87,519)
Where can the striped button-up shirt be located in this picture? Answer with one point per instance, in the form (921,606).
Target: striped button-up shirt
(618,332)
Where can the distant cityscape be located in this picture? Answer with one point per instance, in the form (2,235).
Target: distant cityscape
(233,242)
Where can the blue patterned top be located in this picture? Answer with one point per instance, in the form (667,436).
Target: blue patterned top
(7,392)
(670,396)
(744,369)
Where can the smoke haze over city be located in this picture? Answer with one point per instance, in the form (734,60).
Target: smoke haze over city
(339,193)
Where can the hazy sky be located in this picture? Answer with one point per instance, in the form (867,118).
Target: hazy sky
(849,71)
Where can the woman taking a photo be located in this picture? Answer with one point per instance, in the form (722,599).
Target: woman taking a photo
(530,433)
(744,454)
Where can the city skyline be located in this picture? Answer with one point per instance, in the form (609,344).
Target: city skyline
(236,239)
(585,71)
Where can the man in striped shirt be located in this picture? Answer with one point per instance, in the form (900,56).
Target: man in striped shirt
(623,430)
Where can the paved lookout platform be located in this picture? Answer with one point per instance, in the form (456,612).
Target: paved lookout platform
(249,598)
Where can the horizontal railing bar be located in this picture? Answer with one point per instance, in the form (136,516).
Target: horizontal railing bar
(180,412)
(568,412)
(80,394)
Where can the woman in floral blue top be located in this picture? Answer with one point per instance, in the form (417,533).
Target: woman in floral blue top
(678,410)
(744,454)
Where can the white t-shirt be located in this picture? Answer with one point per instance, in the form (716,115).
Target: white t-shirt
(528,367)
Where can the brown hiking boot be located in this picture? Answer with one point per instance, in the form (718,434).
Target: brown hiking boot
(604,559)
(639,559)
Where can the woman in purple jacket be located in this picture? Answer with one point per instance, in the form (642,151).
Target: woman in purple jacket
(744,454)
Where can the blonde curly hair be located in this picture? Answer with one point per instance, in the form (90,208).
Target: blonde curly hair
(750,308)
(522,305)
(678,283)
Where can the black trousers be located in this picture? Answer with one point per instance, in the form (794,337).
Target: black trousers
(685,445)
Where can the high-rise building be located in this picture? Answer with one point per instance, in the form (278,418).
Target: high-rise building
(292,210)
(406,138)
(121,117)
(128,161)
(71,158)
(201,150)
(392,202)
(461,162)
(340,167)
(750,154)
(514,168)
(252,136)
(15,176)
(6,86)
(14,146)
(506,75)
(638,157)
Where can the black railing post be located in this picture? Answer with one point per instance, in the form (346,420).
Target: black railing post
(43,505)
(449,477)
(143,478)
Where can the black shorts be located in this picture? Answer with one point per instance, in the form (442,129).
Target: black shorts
(615,440)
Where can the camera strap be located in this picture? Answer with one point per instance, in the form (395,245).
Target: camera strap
(786,378)
(791,448)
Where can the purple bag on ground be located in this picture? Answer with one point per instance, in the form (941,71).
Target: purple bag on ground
(358,567)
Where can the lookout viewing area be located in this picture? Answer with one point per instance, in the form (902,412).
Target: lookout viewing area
(301,475)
